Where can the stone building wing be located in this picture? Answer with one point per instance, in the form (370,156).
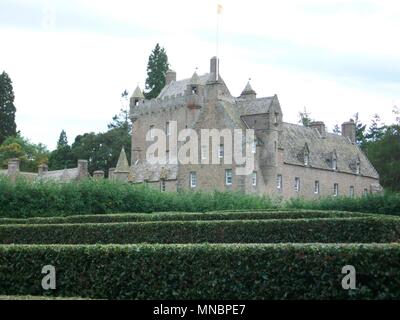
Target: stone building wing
(321,149)
(144,171)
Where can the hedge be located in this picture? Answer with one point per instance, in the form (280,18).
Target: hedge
(187,216)
(33,199)
(281,271)
(331,230)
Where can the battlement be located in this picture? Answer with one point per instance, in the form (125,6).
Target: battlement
(168,103)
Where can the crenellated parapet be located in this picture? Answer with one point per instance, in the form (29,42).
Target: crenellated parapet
(166,104)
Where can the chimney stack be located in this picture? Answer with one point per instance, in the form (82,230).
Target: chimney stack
(349,130)
(320,126)
(170,76)
(214,69)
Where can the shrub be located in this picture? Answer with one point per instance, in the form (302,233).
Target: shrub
(332,230)
(282,271)
(188,216)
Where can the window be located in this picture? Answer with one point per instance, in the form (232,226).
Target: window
(297,184)
(276,118)
(254,146)
(351,192)
(358,168)
(254,178)
(162,185)
(167,156)
(168,129)
(306,159)
(335,190)
(194,90)
(228,177)
(365,193)
(221,151)
(334,164)
(152,132)
(204,152)
(279,182)
(193,179)
(316,187)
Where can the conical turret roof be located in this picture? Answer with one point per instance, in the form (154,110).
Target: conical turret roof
(248,89)
(122,165)
(138,93)
(195,79)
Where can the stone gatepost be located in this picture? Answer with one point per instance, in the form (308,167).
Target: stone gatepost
(43,169)
(83,169)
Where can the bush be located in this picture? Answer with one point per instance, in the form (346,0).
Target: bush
(34,199)
(283,271)
(332,230)
(188,216)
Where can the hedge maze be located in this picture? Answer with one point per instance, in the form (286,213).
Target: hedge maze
(260,254)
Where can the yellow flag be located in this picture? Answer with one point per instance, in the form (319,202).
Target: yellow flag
(219,9)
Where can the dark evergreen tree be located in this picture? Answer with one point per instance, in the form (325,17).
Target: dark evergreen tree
(360,131)
(8,127)
(336,129)
(157,67)
(62,157)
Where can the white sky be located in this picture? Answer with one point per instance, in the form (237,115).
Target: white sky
(70,60)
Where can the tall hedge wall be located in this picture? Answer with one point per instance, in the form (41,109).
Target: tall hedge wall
(187,216)
(204,271)
(333,230)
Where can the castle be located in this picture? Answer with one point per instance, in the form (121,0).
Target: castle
(290,160)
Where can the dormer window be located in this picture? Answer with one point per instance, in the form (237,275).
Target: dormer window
(276,117)
(306,159)
(194,89)
(358,167)
(334,164)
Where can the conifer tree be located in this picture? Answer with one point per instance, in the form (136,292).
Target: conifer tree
(157,67)
(8,127)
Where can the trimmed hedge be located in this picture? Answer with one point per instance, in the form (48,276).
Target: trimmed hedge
(332,230)
(283,271)
(34,199)
(187,216)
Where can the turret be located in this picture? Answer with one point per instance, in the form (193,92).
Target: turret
(248,92)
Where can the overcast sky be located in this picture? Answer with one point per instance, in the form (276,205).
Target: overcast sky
(70,60)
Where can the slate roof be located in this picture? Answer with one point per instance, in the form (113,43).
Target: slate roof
(138,93)
(321,149)
(61,175)
(179,87)
(254,106)
(152,172)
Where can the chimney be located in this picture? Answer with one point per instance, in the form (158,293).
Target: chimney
(349,130)
(43,168)
(170,76)
(214,69)
(320,126)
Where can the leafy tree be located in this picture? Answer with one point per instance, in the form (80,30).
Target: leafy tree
(8,126)
(157,67)
(305,119)
(384,153)
(31,155)
(62,157)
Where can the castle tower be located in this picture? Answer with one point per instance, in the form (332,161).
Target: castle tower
(248,92)
(136,97)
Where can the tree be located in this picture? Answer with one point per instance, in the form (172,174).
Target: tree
(31,155)
(376,130)
(8,126)
(384,154)
(360,131)
(62,157)
(305,119)
(121,120)
(157,67)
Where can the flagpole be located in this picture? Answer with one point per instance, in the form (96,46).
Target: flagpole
(217,43)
